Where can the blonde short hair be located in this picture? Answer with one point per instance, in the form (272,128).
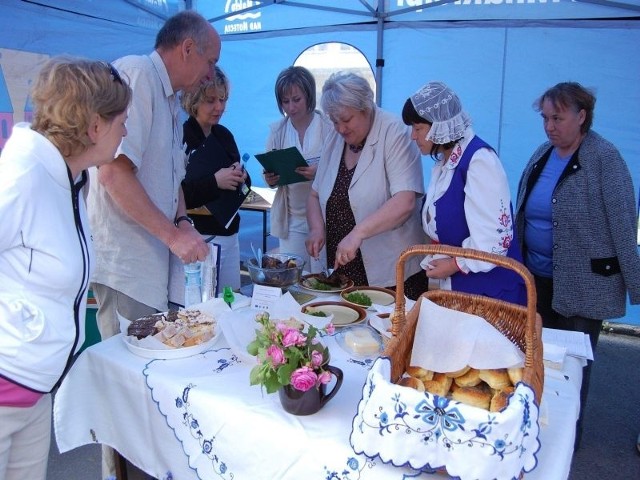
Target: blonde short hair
(218,83)
(68,92)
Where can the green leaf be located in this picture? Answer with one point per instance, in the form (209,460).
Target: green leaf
(255,377)
(253,347)
(312,332)
(285,371)
(272,385)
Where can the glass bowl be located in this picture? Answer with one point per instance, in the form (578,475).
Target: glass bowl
(285,272)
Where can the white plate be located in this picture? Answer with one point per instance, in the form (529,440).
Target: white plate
(379,296)
(214,307)
(307,285)
(343,313)
(170,353)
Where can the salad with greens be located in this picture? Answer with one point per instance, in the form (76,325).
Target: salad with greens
(318,285)
(359,298)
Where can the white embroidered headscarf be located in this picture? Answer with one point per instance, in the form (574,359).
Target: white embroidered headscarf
(438,104)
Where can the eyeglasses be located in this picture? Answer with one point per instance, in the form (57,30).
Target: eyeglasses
(115,76)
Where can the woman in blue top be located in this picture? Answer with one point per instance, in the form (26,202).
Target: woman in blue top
(468,203)
(576,217)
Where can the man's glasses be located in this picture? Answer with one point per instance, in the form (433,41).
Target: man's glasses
(115,76)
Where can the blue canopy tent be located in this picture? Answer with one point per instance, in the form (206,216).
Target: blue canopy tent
(499,55)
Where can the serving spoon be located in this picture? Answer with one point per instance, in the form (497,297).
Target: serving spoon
(258,255)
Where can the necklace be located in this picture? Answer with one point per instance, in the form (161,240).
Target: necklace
(357,148)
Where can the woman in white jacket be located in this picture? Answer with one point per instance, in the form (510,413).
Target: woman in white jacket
(307,129)
(364,204)
(45,246)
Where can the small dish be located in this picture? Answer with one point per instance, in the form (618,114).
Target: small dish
(343,313)
(360,341)
(307,282)
(378,295)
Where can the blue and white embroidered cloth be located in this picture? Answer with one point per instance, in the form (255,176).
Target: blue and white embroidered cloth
(227,429)
(198,418)
(405,427)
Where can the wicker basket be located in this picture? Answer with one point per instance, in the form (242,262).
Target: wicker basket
(521,325)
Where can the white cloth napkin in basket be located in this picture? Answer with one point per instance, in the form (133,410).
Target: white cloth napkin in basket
(448,340)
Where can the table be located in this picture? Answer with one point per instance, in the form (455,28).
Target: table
(198,418)
(259,200)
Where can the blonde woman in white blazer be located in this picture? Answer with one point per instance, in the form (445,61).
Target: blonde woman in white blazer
(307,129)
(364,202)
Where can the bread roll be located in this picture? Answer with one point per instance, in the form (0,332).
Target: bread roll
(439,385)
(497,378)
(474,396)
(420,373)
(500,399)
(412,382)
(458,373)
(469,379)
(509,390)
(515,374)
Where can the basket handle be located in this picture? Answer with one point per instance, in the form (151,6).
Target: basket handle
(499,260)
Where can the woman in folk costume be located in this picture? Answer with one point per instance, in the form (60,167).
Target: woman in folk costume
(468,203)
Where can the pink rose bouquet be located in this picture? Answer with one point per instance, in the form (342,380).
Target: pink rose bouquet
(288,355)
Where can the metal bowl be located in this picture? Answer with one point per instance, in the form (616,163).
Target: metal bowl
(276,277)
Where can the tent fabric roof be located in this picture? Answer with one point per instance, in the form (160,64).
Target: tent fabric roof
(287,14)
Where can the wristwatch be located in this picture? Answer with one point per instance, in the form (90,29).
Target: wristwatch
(182,218)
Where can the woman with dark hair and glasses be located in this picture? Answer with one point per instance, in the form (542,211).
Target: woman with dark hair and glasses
(468,203)
(46,248)
(577,221)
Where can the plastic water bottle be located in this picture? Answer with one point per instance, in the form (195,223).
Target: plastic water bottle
(192,283)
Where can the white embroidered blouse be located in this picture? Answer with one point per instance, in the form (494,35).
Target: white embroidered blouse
(487,201)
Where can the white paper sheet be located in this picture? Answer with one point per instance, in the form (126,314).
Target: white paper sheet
(553,356)
(576,343)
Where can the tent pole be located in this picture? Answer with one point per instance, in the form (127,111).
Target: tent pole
(379,52)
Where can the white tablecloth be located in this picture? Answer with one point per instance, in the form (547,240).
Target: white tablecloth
(198,418)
